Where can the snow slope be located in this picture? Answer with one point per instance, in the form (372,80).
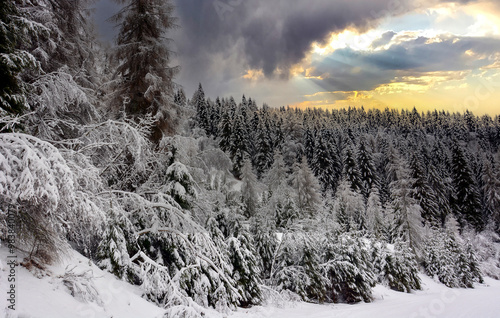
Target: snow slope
(435,300)
(47,296)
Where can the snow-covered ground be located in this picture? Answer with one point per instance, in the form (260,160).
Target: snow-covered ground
(47,296)
(435,300)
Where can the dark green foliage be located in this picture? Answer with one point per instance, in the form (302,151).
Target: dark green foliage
(349,270)
(466,200)
(397,269)
(13,61)
(246,270)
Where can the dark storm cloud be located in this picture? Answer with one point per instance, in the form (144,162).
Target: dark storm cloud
(346,69)
(267,35)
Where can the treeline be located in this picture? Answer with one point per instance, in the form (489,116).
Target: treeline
(451,160)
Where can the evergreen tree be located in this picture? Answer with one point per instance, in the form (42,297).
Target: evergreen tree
(238,145)
(264,153)
(366,168)
(375,220)
(405,210)
(246,272)
(423,192)
(491,189)
(13,31)
(442,190)
(146,82)
(202,111)
(306,188)
(466,198)
(351,172)
(249,191)
(325,164)
(225,132)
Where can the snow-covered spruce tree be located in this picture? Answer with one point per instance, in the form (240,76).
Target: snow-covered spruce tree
(366,168)
(266,244)
(376,222)
(297,268)
(349,208)
(325,163)
(351,172)
(466,203)
(144,75)
(306,188)
(491,189)
(405,210)
(14,28)
(397,269)
(448,260)
(113,250)
(423,193)
(238,147)
(348,269)
(246,270)
(249,189)
(181,185)
(264,150)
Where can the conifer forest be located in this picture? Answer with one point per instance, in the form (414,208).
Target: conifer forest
(222,202)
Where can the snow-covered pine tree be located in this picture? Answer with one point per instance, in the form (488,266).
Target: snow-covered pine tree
(405,210)
(325,164)
(491,190)
(145,83)
(366,168)
(246,269)
(238,146)
(466,201)
(423,193)
(375,219)
(249,189)
(306,188)
(264,150)
(349,209)
(351,172)
(348,269)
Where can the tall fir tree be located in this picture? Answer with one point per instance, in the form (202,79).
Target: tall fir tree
(466,201)
(146,82)
(366,168)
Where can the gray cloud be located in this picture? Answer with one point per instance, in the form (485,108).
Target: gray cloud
(346,69)
(261,34)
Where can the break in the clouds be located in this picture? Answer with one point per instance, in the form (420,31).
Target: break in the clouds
(336,53)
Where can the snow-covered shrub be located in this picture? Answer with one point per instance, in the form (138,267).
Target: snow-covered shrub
(36,185)
(298,267)
(449,261)
(81,286)
(487,247)
(398,268)
(348,269)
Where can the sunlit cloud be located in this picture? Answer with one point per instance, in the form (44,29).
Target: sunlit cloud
(331,53)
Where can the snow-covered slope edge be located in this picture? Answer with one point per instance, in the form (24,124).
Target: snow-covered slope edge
(45,295)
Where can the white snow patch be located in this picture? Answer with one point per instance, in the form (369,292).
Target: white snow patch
(48,297)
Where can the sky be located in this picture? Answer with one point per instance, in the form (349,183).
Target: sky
(428,54)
